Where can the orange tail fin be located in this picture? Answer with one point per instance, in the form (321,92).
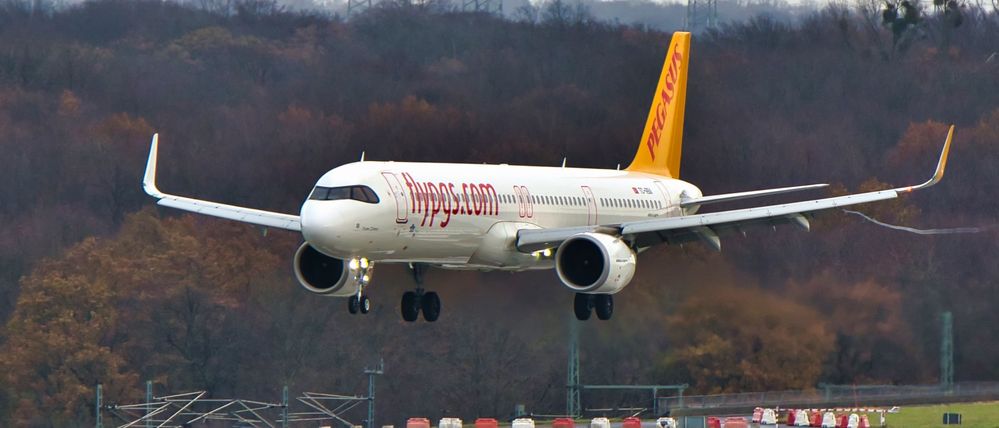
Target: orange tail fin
(659,149)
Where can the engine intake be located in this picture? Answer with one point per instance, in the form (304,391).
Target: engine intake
(595,263)
(325,275)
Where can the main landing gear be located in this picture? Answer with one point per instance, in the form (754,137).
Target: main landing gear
(585,304)
(413,302)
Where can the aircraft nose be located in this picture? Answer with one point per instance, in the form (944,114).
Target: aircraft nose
(319,224)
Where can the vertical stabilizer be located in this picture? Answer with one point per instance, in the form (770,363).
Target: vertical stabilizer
(659,149)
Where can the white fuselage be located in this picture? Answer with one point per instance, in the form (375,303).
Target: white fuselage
(464,216)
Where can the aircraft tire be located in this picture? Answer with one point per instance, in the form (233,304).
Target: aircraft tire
(352,305)
(431,303)
(364,304)
(582,305)
(410,306)
(604,306)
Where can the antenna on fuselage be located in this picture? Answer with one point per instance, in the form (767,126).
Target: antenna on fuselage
(362,155)
(618,167)
(563,162)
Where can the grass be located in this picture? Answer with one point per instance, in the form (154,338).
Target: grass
(973,415)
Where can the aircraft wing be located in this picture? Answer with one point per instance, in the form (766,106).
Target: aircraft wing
(231,212)
(707,227)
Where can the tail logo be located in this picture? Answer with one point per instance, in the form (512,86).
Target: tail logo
(662,107)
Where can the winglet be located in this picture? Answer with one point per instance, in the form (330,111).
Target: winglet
(149,181)
(941,165)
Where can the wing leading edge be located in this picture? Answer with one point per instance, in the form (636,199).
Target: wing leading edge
(707,227)
(215,209)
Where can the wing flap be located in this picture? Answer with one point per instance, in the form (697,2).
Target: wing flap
(728,197)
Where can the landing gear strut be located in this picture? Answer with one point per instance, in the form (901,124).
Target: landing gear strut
(413,302)
(585,304)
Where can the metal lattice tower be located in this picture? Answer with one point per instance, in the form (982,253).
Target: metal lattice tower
(356,6)
(701,14)
(947,350)
(370,423)
(573,406)
(487,6)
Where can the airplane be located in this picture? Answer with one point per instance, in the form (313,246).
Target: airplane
(587,224)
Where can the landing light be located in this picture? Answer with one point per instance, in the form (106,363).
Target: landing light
(353,264)
(364,279)
(364,263)
(547,252)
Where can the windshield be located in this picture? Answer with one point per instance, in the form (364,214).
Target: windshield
(357,193)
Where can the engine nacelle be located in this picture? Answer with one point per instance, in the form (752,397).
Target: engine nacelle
(595,263)
(329,276)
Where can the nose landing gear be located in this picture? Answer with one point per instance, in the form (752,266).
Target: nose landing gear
(361,269)
(360,304)
(413,302)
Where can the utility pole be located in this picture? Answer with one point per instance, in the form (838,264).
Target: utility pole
(572,399)
(97,407)
(149,403)
(947,350)
(370,423)
(284,407)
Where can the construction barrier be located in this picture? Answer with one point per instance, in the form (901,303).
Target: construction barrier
(632,422)
(853,421)
(665,422)
(735,423)
(815,419)
(829,420)
(522,423)
(864,422)
(486,423)
(791,415)
(418,423)
(757,415)
(769,417)
(600,423)
(449,423)
(713,422)
(563,423)
(802,420)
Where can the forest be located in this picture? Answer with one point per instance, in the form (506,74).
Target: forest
(253,102)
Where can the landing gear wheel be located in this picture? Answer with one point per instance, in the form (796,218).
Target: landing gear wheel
(582,305)
(410,306)
(365,304)
(352,305)
(604,306)
(431,306)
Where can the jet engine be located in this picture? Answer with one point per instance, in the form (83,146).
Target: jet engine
(595,263)
(329,276)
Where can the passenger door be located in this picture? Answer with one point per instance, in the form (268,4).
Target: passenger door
(401,203)
(591,206)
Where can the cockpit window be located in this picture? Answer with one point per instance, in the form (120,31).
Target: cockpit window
(357,193)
